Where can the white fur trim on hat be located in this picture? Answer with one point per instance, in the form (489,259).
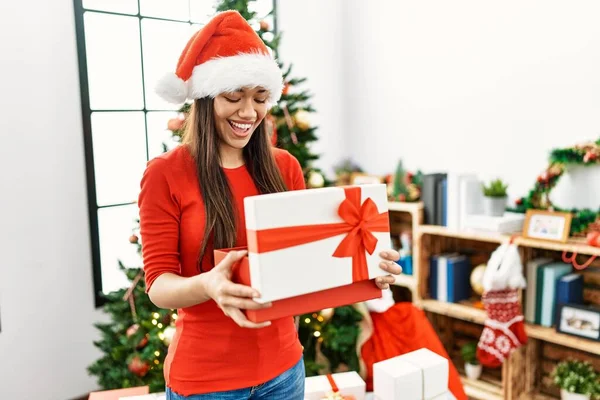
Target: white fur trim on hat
(227,74)
(172,88)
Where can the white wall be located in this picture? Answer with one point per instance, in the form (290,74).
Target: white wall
(312,42)
(467,85)
(46,296)
(461,85)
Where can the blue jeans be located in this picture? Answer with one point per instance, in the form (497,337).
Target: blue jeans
(287,386)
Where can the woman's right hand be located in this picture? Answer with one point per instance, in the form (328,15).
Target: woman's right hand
(231,297)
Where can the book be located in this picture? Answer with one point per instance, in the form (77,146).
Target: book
(569,289)
(547,279)
(470,198)
(531,293)
(449,277)
(432,197)
(453,198)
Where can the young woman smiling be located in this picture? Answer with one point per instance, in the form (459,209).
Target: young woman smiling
(191,202)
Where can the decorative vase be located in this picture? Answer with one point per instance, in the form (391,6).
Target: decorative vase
(473,371)
(578,188)
(494,206)
(564,395)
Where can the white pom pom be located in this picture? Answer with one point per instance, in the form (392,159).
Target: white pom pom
(172,88)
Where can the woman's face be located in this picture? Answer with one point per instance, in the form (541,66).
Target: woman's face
(237,114)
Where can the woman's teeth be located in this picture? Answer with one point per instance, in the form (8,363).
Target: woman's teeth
(241,127)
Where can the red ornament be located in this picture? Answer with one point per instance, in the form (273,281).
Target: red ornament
(142,343)
(132,330)
(589,156)
(175,124)
(402,197)
(409,177)
(286,88)
(138,367)
(264,26)
(133,239)
(519,202)
(593,238)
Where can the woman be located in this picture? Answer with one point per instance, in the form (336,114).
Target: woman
(191,201)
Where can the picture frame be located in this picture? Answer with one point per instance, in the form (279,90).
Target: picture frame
(361,178)
(578,320)
(547,225)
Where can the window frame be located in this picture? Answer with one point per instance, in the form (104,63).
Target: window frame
(86,114)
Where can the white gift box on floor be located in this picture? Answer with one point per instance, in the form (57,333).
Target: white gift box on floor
(419,375)
(348,384)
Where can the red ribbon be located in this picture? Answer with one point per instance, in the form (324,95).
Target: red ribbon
(360,221)
(332,383)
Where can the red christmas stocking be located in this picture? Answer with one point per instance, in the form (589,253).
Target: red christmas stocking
(504,330)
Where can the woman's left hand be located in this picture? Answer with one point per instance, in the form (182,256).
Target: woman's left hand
(388,264)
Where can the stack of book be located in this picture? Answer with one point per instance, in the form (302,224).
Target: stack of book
(449,277)
(455,200)
(550,284)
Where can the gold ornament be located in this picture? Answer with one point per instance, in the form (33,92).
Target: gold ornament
(413,192)
(168,334)
(302,120)
(477,279)
(315,180)
(556,169)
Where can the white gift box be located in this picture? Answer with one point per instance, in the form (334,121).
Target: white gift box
(348,383)
(419,375)
(287,259)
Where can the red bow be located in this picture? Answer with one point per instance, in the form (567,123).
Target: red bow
(363,220)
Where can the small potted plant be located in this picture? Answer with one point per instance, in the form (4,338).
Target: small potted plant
(495,198)
(472,365)
(577,380)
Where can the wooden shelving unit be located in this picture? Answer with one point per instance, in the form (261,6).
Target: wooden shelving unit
(572,245)
(408,216)
(481,389)
(525,374)
(472,314)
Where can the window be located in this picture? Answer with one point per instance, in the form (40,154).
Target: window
(124,46)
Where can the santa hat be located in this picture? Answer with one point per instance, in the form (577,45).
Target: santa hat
(224,56)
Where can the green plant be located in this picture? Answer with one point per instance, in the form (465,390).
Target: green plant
(577,377)
(469,353)
(496,188)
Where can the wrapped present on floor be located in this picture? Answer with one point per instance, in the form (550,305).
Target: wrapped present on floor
(418,375)
(313,249)
(340,386)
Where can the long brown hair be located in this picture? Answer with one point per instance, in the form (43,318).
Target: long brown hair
(203,140)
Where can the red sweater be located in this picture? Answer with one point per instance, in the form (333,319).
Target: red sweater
(209,351)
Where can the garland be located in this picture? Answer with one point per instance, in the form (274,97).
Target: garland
(539,197)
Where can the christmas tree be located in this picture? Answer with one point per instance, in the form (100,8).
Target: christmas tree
(136,340)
